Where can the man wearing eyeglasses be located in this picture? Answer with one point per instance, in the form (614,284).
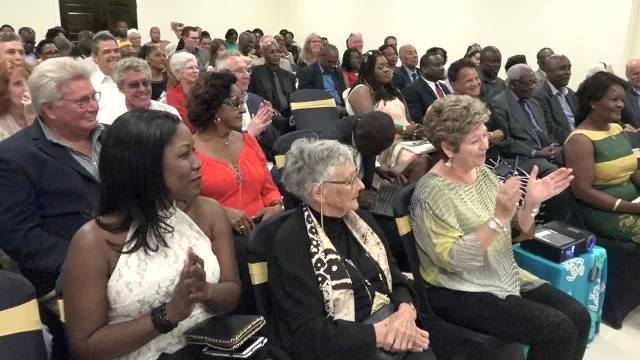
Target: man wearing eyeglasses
(106,53)
(49,181)
(133,77)
(523,122)
(191,39)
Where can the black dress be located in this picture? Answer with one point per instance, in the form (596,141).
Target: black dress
(304,330)
(158,87)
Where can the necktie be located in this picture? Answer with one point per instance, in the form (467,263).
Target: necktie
(280,95)
(534,123)
(439,91)
(414,77)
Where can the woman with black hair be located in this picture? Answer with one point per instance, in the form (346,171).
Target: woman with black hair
(231,40)
(391,54)
(606,169)
(375,91)
(351,66)
(158,258)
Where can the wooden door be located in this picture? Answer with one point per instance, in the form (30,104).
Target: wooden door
(96,15)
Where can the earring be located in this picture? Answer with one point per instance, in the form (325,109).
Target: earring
(448,163)
(217,120)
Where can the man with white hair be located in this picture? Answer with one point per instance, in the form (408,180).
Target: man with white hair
(259,114)
(133,78)
(49,182)
(355,41)
(106,53)
(408,72)
(523,122)
(631,110)
(11,47)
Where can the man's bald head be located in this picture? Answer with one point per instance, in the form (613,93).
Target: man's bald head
(408,56)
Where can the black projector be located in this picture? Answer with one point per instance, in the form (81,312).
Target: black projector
(558,241)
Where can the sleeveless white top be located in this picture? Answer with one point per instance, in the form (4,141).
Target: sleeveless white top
(142,281)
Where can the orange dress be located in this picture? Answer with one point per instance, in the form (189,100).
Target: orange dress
(248,188)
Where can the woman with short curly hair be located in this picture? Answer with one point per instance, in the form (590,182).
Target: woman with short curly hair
(234,169)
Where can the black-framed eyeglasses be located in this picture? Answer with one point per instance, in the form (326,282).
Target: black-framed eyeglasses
(134,85)
(84,101)
(528,83)
(235,103)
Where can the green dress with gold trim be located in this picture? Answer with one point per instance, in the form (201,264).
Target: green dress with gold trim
(614,163)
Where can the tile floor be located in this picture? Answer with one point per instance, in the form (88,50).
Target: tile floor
(623,344)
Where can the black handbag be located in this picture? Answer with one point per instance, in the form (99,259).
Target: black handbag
(224,332)
(383,313)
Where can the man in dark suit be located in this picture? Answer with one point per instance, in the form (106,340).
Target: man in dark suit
(324,75)
(631,111)
(557,100)
(420,94)
(408,72)
(271,82)
(492,85)
(522,121)
(49,182)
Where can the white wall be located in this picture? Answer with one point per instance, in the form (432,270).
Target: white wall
(585,30)
(41,15)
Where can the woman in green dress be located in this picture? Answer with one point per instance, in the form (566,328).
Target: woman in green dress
(605,167)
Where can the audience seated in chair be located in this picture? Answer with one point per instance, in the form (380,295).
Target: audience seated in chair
(461,214)
(234,169)
(557,100)
(310,50)
(49,179)
(185,68)
(272,83)
(523,123)
(492,85)
(408,72)
(325,319)
(11,47)
(133,77)
(351,66)
(605,166)
(541,59)
(421,93)
(106,53)
(631,111)
(158,258)
(325,75)
(391,53)
(16,111)
(191,39)
(155,57)
(259,119)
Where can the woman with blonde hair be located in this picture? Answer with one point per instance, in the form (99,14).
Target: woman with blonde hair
(15,99)
(310,50)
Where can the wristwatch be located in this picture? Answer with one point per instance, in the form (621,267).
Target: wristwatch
(496,225)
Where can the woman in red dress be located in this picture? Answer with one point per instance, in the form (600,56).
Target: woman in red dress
(185,68)
(234,169)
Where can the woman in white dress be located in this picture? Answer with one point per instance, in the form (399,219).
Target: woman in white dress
(158,258)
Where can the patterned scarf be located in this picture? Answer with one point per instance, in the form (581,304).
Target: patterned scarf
(331,271)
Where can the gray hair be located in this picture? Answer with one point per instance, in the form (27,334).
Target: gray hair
(267,40)
(9,37)
(127,64)
(516,72)
(222,61)
(46,79)
(311,162)
(97,38)
(179,61)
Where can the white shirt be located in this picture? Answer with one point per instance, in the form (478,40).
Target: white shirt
(155,105)
(111,102)
(432,85)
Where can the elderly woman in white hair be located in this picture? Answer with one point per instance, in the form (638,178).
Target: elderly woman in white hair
(136,41)
(184,66)
(331,276)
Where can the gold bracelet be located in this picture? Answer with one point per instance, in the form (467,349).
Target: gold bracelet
(615,206)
